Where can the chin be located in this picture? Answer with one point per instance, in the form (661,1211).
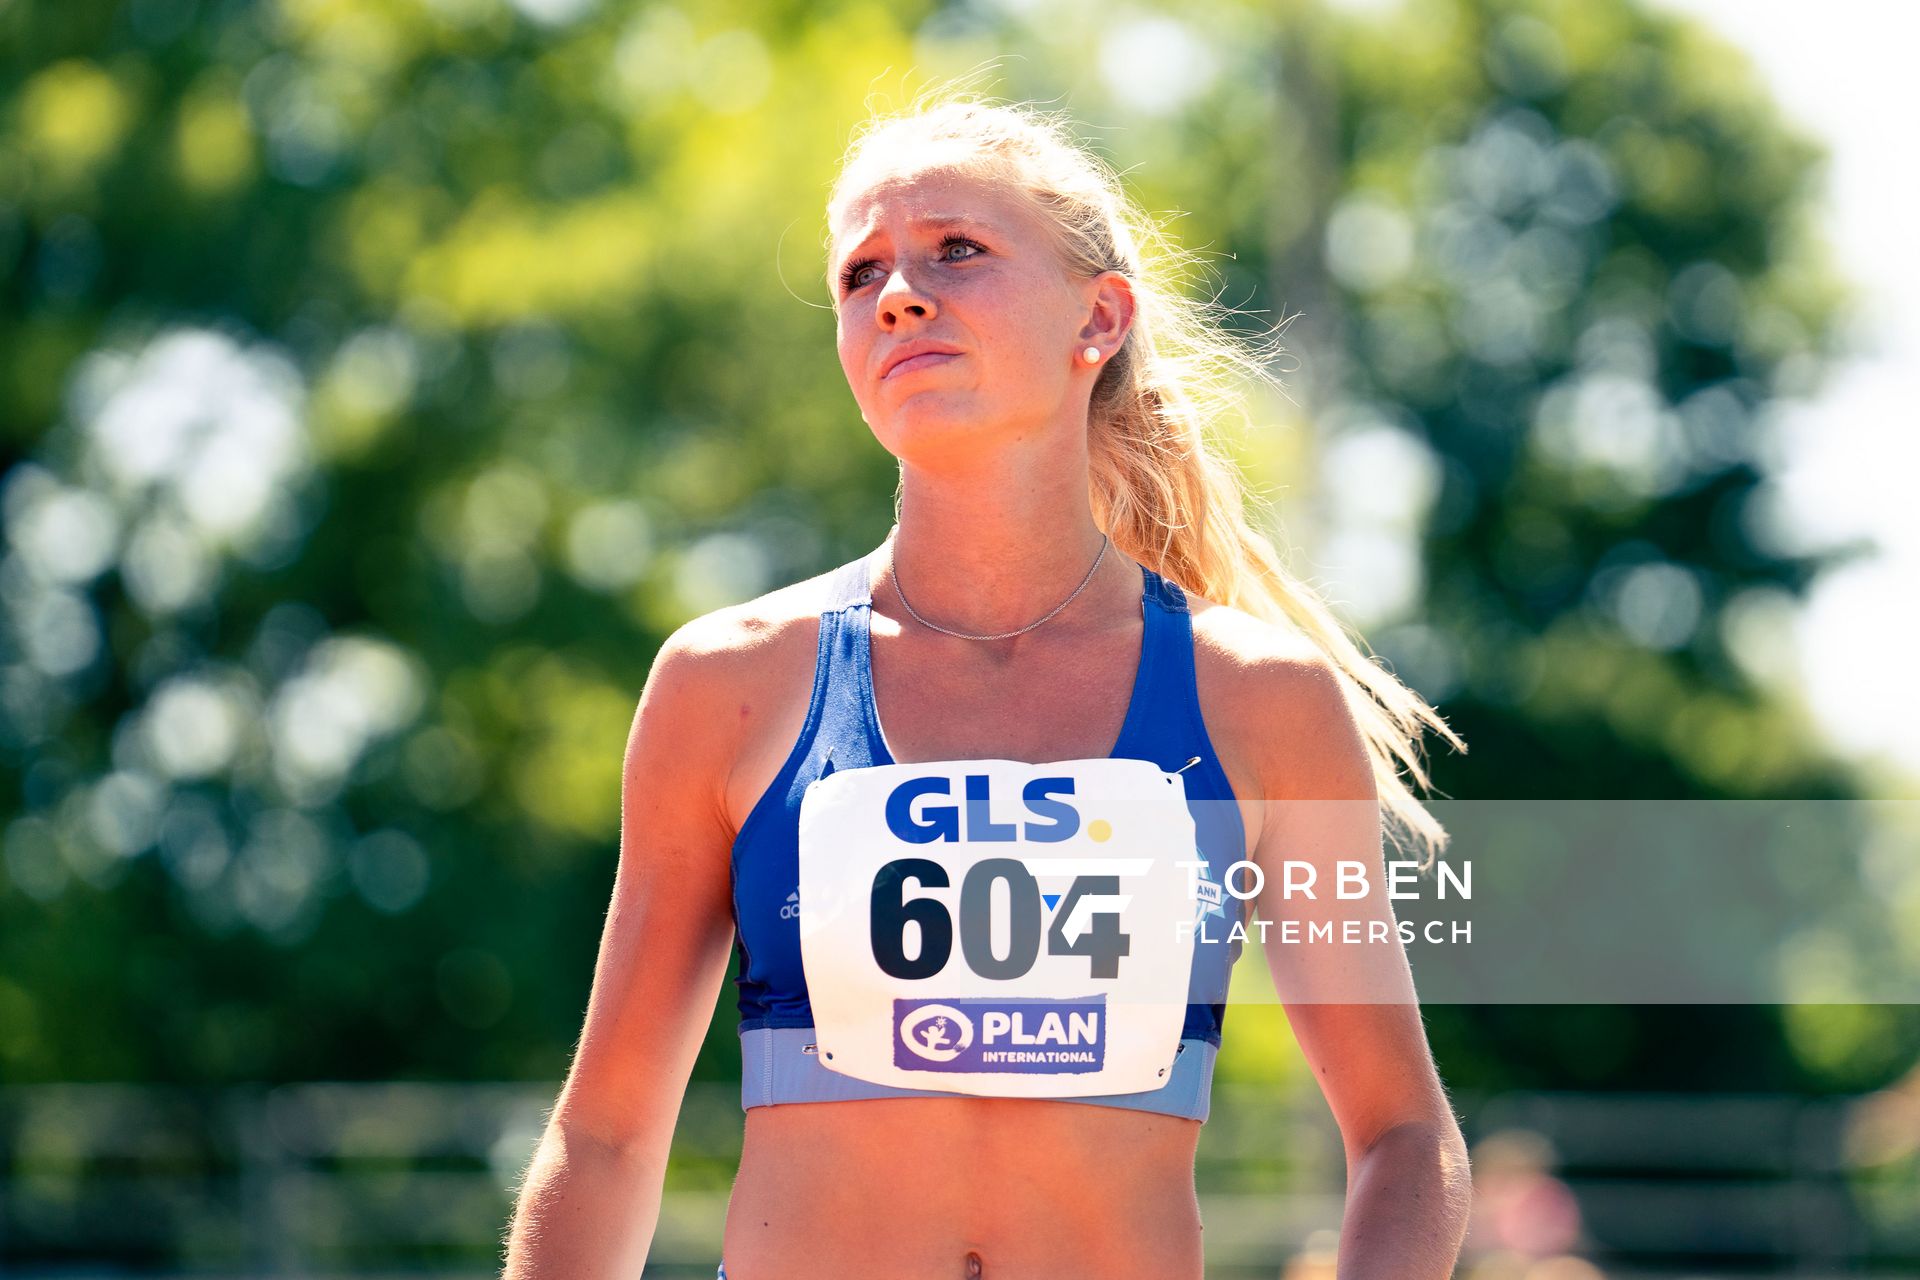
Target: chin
(925,431)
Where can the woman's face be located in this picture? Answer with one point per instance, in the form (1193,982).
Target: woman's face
(941,258)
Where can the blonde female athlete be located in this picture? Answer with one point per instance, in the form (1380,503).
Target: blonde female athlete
(821,773)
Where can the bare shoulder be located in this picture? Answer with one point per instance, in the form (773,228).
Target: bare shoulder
(733,686)
(737,638)
(1243,641)
(1254,663)
(744,649)
(1275,703)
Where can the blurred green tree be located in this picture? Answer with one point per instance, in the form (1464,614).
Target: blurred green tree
(381,380)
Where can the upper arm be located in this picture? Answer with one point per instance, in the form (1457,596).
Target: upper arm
(1351,1004)
(669,928)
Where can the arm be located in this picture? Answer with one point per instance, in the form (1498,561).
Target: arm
(591,1196)
(1352,1004)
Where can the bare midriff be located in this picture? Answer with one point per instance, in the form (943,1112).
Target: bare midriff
(950,1188)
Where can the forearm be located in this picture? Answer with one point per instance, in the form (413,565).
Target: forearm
(586,1211)
(1408,1197)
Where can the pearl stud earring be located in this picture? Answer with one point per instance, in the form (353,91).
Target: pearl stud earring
(1091,355)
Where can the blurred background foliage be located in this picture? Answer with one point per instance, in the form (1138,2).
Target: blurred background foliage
(382,380)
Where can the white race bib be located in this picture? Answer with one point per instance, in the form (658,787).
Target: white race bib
(999,928)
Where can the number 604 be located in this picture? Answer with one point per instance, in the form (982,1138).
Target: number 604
(1102,942)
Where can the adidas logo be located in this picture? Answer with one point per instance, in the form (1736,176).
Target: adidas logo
(790,909)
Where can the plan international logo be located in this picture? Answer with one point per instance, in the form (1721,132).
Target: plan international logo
(988,1033)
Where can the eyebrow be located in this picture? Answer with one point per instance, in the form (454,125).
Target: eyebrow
(930,220)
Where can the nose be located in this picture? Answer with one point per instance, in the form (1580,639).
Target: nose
(900,295)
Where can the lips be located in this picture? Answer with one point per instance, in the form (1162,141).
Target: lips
(923,361)
(915,354)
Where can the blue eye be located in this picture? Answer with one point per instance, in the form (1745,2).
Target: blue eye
(850,274)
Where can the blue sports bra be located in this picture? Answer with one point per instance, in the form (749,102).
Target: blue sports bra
(842,731)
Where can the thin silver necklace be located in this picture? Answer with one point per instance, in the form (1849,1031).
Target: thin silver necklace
(1105,542)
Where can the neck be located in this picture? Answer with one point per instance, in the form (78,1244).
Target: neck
(996,548)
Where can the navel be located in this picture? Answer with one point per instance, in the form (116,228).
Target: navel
(974,1269)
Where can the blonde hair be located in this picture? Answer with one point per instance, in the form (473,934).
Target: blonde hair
(1157,488)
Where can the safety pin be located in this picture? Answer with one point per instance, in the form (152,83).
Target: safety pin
(1188,765)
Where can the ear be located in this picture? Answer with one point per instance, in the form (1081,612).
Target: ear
(1110,306)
